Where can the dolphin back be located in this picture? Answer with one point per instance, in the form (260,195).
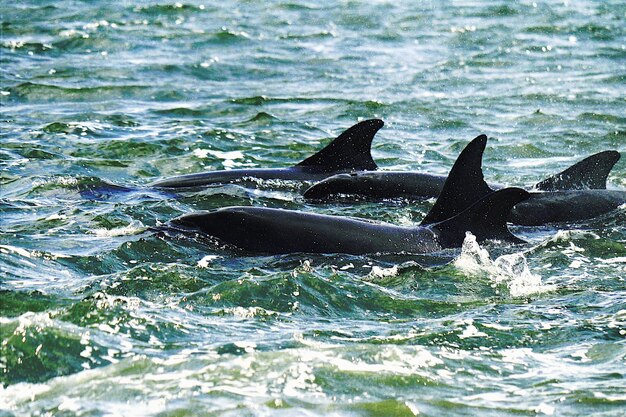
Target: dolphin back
(590,173)
(350,151)
(464,186)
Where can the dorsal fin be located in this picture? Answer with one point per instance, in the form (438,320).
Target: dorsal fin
(349,151)
(464,186)
(485,219)
(590,173)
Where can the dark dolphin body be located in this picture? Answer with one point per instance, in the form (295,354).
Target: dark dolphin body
(350,151)
(576,194)
(590,173)
(266,230)
(566,206)
(380,185)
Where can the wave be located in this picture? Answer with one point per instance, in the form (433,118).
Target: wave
(34,91)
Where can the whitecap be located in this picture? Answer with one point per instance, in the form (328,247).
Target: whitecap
(131,229)
(378,272)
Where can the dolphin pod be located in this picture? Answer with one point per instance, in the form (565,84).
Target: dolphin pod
(590,173)
(345,167)
(465,202)
(276,231)
(540,207)
(578,193)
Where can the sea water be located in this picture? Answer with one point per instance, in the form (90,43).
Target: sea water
(99,316)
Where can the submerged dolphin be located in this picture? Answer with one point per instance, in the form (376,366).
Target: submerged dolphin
(350,151)
(590,173)
(274,231)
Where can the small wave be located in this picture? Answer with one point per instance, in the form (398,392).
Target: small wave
(133,228)
(249,312)
(260,100)
(207,260)
(229,35)
(87,187)
(15,249)
(601,117)
(447,123)
(121,120)
(596,32)
(80,41)
(511,270)
(15,303)
(618,260)
(35,91)
(180,112)
(77,128)
(298,6)
(36,47)
(314,35)
(545,29)
(31,254)
(36,153)
(504,10)
(43,348)
(262,117)
(379,272)
(175,9)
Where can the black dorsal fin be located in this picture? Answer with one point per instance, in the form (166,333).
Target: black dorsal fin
(485,219)
(349,151)
(464,186)
(590,173)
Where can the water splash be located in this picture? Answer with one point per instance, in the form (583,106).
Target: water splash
(511,271)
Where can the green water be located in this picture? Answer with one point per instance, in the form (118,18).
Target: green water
(99,317)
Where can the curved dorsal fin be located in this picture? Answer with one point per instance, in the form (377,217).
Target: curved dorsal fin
(485,219)
(349,151)
(590,173)
(464,186)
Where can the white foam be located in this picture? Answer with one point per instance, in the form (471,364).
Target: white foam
(15,249)
(471,331)
(546,409)
(224,155)
(249,312)
(511,270)
(132,229)
(31,254)
(378,272)
(619,260)
(208,259)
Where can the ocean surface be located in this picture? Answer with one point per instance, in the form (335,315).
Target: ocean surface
(101,317)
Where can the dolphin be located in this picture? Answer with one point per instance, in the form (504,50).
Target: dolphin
(566,206)
(590,173)
(350,151)
(278,231)
(540,207)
